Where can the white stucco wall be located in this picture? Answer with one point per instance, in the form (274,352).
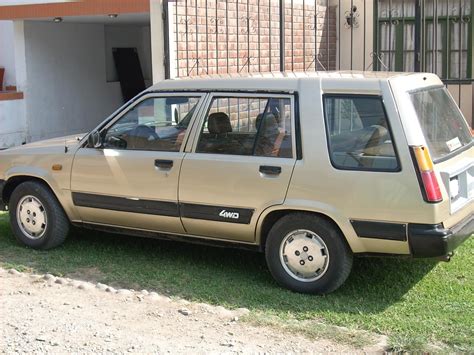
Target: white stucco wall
(7,52)
(66,91)
(12,126)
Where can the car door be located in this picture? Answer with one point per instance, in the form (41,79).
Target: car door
(132,179)
(240,163)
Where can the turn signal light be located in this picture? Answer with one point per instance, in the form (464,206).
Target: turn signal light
(428,180)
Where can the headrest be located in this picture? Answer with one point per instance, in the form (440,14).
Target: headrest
(379,131)
(219,123)
(378,134)
(269,125)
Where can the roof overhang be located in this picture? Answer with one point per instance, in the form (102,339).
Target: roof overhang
(23,9)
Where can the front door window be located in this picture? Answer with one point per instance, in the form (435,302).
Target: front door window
(156,124)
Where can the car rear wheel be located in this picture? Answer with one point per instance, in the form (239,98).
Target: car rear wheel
(307,254)
(36,217)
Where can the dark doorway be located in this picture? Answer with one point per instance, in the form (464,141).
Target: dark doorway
(129,72)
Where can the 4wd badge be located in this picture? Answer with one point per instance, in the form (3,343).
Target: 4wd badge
(227,214)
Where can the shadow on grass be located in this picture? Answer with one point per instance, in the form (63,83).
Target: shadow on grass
(229,277)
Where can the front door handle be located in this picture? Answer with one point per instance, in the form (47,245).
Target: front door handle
(163,164)
(270,170)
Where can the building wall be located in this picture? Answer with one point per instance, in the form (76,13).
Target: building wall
(355,43)
(7,52)
(67,90)
(157,40)
(12,126)
(463,94)
(69,82)
(216,36)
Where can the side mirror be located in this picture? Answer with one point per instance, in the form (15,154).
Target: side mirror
(94,140)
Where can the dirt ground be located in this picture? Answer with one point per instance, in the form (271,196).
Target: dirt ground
(43,313)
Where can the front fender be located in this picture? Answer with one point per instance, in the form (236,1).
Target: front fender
(35,172)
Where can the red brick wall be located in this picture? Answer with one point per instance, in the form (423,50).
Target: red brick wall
(240,36)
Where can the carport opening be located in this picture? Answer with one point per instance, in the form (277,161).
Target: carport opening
(73,79)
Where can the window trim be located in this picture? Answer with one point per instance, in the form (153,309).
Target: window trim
(153,95)
(239,94)
(389,126)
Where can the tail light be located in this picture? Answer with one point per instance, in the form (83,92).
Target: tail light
(426,174)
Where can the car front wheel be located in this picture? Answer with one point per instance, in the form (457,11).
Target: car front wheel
(36,217)
(307,254)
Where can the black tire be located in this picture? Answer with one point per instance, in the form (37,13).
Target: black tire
(57,224)
(338,264)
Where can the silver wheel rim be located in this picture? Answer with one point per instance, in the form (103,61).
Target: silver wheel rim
(31,217)
(304,255)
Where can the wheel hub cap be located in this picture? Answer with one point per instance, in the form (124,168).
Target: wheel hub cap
(31,217)
(304,255)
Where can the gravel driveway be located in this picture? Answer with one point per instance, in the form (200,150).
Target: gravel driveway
(42,313)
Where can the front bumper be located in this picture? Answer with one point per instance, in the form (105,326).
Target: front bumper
(433,240)
(2,203)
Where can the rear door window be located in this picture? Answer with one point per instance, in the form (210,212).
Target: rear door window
(359,135)
(255,126)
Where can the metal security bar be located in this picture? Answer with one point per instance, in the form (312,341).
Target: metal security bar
(235,36)
(250,36)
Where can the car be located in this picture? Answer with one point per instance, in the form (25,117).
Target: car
(311,169)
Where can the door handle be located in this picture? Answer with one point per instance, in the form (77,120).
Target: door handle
(163,164)
(270,170)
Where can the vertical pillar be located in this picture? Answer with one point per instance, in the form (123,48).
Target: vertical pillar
(418,35)
(282,35)
(157,26)
(21,80)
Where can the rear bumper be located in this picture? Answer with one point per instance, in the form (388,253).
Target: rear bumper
(433,240)
(2,203)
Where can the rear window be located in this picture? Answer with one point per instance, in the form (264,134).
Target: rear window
(443,125)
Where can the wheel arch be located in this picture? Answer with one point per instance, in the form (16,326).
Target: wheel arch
(63,197)
(14,181)
(269,217)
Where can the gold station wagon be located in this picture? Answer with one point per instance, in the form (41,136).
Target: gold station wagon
(310,169)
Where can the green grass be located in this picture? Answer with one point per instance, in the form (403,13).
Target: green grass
(414,302)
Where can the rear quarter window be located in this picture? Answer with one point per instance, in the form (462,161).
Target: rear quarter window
(359,136)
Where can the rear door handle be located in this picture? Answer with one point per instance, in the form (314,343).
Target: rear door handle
(163,164)
(270,170)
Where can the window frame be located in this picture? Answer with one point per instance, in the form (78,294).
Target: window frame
(446,48)
(207,105)
(156,95)
(389,128)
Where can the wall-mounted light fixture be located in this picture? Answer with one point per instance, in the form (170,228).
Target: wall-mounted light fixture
(113,15)
(351,18)
(58,19)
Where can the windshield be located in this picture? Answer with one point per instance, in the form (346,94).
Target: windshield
(443,125)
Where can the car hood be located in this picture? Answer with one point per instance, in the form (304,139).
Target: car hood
(66,141)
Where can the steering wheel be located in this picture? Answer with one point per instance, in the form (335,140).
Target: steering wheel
(143,131)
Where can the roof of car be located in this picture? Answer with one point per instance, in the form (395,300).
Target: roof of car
(267,81)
